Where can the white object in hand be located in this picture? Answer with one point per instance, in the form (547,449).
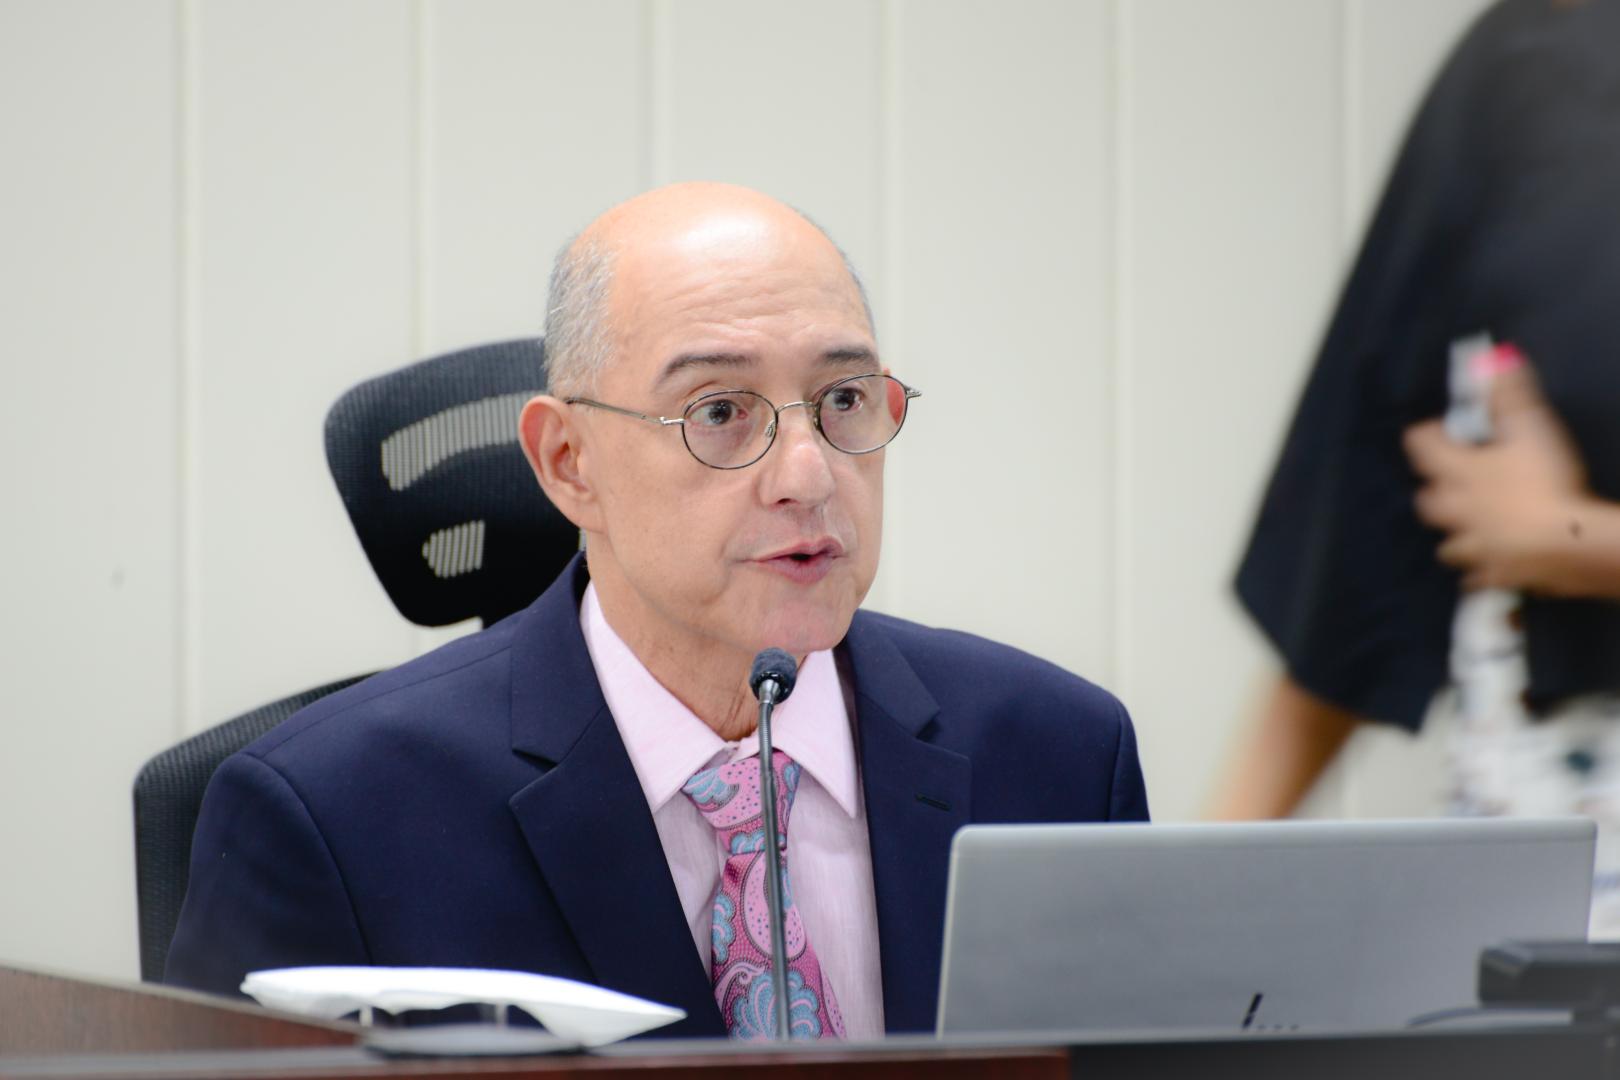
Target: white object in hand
(1493,750)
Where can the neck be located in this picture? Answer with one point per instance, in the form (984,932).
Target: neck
(707,676)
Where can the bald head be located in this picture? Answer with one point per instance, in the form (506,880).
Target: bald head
(600,276)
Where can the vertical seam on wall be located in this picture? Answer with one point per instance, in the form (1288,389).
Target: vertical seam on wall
(186,667)
(891,240)
(644,69)
(421,181)
(1120,344)
(419,72)
(659,48)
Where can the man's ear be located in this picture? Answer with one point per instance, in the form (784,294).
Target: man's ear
(552,442)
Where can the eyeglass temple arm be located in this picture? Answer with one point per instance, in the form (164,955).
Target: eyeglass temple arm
(622,412)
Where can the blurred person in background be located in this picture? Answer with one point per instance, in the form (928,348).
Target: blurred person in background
(1501,216)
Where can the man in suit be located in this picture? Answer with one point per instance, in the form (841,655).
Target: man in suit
(553,793)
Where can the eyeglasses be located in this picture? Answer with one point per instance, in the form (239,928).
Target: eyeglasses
(732,429)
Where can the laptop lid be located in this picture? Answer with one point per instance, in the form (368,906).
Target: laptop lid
(1274,926)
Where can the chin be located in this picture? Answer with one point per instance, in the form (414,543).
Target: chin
(802,629)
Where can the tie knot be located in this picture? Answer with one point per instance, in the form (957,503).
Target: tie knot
(728,798)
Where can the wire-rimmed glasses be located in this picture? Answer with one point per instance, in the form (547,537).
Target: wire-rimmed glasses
(732,429)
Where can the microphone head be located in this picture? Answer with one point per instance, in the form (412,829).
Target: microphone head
(778,666)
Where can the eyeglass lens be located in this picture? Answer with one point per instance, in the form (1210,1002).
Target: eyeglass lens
(733,428)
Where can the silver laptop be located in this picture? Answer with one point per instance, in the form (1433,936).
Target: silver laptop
(1281,926)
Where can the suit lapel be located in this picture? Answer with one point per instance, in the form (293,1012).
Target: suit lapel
(587,823)
(586,820)
(917,796)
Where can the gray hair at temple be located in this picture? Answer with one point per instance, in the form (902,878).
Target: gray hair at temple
(579,342)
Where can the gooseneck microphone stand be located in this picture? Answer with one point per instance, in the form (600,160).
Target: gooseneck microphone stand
(772,680)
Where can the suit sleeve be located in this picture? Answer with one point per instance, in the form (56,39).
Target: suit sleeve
(265,891)
(1127,795)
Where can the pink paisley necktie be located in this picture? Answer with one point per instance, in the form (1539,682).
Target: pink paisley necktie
(728,798)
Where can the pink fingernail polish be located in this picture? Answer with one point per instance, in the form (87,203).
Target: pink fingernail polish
(1505,357)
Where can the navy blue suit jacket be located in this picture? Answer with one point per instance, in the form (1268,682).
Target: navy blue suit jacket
(476,807)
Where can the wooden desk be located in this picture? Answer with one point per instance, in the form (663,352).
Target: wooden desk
(52,1014)
(57,1027)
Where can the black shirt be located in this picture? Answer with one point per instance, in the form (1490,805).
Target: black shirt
(1502,215)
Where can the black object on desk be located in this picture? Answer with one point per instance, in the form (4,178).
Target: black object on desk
(1579,975)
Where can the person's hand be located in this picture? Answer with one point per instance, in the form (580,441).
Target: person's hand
(1510,506)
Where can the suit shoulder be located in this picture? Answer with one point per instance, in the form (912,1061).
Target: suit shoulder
(1043,743)
(470,672)
(969,667)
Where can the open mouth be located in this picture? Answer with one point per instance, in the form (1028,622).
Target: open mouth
(805,564)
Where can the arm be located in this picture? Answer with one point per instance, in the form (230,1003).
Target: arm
(264,890)
(1583,558)
(1281,758)
(1127,794)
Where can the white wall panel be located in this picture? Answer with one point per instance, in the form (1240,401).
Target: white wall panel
(536,123)
(1002,288)
(87,429)
(1231,173)
(779,96)
(303,286)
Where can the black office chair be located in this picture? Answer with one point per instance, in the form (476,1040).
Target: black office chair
(427,463)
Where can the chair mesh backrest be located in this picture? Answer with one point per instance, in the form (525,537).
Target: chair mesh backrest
(168,795)
(428,464)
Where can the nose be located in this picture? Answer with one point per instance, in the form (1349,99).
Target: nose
(797,469)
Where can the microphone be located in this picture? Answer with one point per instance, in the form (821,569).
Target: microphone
(771,679)
(773,675)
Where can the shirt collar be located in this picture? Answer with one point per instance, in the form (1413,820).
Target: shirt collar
(667,742)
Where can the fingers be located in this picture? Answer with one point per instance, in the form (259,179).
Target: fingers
(1429,450)
(1461,550)
(1525,421)
(1441,462)
(1466,552)
(1515,398)
(1437,507)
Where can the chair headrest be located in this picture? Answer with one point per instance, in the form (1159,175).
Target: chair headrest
(428,464)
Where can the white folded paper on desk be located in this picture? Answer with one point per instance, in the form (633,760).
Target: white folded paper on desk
(572,1010)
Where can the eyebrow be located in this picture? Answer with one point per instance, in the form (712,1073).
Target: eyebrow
(688,361)
(851,356)
(843,356)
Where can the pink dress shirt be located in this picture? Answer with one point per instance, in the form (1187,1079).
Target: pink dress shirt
(829,857)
